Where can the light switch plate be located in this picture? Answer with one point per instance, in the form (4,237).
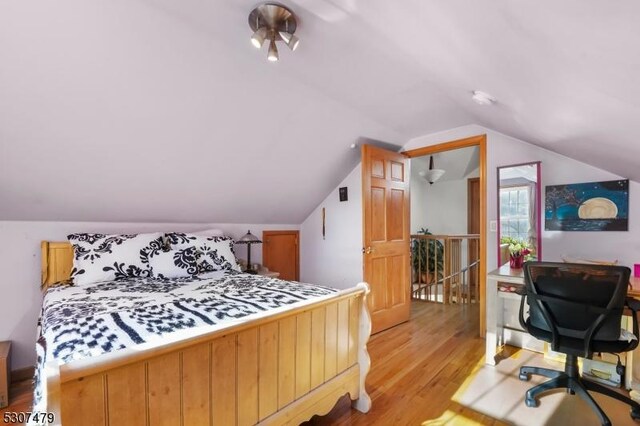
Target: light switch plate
(493,225)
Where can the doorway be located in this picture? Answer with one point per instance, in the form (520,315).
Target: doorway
(474,189)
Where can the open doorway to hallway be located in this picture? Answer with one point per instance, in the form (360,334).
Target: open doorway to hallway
(445,221)
(448,233)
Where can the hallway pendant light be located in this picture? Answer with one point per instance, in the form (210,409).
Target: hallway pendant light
(432,175)
(273,22)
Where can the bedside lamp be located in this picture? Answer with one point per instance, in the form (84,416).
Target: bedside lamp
(249,239)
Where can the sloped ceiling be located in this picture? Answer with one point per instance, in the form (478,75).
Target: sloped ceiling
(160,110)
(457,164)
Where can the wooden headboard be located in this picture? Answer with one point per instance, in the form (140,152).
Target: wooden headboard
(57,262)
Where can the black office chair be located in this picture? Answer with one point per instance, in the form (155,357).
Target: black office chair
(577,308)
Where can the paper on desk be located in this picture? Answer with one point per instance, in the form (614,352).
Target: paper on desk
(627,335)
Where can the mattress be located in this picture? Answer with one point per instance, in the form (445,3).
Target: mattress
(77,322)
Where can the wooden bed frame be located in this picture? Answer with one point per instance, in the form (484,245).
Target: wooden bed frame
(279,369)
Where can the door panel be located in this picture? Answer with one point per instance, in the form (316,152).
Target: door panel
(378,202)
(378,294)
(396,216)
(385,179)
(396,277)
(377,168)
(280,253)
(397,171)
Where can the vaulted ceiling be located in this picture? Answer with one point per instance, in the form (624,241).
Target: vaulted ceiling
(160,110)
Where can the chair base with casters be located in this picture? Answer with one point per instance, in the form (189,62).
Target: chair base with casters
(574,384)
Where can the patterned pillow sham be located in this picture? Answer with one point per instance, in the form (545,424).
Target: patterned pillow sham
(214,253)
(176,263)
(102,257)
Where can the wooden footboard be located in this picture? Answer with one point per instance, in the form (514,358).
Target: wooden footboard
(280,369)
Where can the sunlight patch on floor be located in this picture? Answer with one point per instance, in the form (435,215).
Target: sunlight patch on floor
(498,393)
(451,418)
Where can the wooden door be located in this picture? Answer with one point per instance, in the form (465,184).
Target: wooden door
(385,193)
(280,253)
(473,227)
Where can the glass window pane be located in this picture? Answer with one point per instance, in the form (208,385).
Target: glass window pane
(522,196)
(504,197)
(523,226)
(504,228)
(523,210)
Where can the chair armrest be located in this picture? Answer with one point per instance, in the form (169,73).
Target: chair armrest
(633,304)
(523,324)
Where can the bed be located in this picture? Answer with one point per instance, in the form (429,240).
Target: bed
(277,361)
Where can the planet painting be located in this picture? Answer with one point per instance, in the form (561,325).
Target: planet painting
(593,206)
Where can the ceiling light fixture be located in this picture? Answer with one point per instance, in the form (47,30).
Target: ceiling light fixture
(483,98)
(273,22)
(432,174)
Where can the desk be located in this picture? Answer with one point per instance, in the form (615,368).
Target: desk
(497,334)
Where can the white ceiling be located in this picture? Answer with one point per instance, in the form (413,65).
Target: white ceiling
(160,110)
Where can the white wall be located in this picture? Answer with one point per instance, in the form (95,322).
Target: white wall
(441,207)
(20,266)
(336,260)
(556,169)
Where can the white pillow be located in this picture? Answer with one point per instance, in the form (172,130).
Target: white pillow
(177,263)
(101,257)
(214,253)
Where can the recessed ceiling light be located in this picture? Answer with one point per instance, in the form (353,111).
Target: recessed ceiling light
(483,98)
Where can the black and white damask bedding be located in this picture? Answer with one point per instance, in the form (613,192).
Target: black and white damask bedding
(102,257)
(77,322)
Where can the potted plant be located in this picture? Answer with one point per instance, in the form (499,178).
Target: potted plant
(424,267)
(518,251)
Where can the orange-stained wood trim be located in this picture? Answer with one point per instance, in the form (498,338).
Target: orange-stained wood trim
(447,146)
(481,142)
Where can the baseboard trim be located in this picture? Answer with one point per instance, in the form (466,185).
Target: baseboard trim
(22,374)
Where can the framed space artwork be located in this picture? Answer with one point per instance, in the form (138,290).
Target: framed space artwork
(593,206)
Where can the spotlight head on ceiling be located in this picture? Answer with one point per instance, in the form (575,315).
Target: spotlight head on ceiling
(483,98)
(257,39)
(273,22)
(273,51)
(291,41)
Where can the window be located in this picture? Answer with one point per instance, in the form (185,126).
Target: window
(514,212)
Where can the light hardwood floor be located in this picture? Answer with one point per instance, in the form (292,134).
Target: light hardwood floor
(417,367)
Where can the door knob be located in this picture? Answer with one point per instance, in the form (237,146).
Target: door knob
(367,250)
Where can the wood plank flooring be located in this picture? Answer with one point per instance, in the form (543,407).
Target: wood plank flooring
(416,369)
